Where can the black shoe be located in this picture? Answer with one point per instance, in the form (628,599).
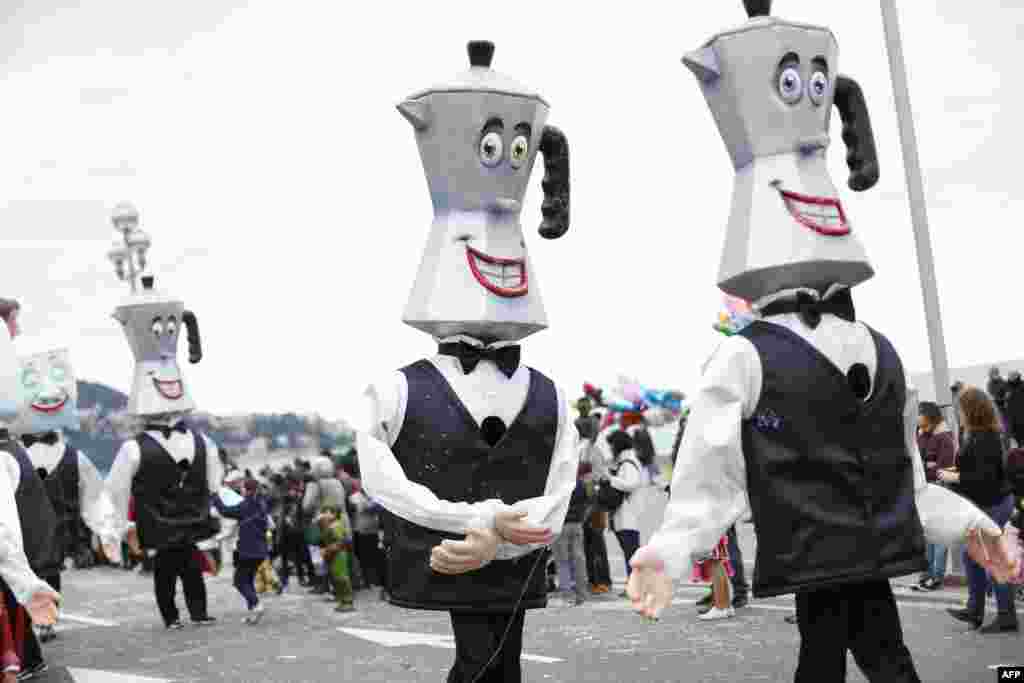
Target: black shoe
(972,618)
(1001,624)
(740,600)
(29,674)
(175,626)
(204,621)
(705,601)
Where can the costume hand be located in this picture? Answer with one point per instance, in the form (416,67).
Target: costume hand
(513,528)
(649,588)
(42,608)
(989,548)
(459,557)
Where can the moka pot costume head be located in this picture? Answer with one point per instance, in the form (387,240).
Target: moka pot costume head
(49,400)
(478,137)
(152,322)
(770,85)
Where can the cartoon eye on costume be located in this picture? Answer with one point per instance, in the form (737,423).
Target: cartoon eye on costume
(491,149)
(818,87)
(791,88)
(172,326)
(520,150)
(30,378)
(158,327)
(58,373)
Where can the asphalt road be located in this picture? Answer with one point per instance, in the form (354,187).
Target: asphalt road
(111,627)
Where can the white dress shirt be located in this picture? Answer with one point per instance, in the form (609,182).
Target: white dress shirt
(14,566)
(485,391)
(91,490)
(633,479)
(709,484)
(126,465)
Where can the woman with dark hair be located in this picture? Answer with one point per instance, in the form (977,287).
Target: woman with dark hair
(938,451)
(627,475)
(981,478)
(9,309)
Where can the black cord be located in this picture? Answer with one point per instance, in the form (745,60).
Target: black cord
(501,643)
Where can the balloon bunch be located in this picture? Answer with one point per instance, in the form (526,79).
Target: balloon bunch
(632,403)
(737,315)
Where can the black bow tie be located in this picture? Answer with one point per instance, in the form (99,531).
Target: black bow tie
(166,430)
(505,357)
(49,438)
(811,309)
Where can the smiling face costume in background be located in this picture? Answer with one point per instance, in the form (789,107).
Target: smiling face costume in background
(75,487)
(169,468)
(453,440)
(805,412)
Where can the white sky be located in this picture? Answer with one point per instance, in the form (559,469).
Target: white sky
(288,207)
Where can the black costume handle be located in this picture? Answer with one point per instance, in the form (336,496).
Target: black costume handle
(555,148)
(861,155)
(195,348)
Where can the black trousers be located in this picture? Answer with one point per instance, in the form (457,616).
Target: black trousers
(168,566)
(25,642)
(597,555)
(739,579)
(477,637)
(293,553)
(370,557)
(861,618)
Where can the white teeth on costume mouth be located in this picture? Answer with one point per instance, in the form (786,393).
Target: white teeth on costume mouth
(821,214)
(505,277)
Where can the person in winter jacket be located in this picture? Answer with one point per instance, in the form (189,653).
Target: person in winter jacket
(629,476)
(337,551)
(323,490)
(252,517)
(568,547)
(938,450)
(364,513)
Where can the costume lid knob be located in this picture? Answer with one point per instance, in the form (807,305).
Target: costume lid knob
(480,53)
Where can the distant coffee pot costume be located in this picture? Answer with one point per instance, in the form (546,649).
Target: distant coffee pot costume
(73,484)
(170,469)
(453,444)
(805,413)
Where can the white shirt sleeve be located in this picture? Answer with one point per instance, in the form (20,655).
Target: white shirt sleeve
(945,516)
(709,478)
(91,494)
(550,509)
(214,468)
(385,481)
(119,491)
(14,567)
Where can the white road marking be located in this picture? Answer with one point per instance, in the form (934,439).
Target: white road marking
(92,621)
(404,638)
(97,676)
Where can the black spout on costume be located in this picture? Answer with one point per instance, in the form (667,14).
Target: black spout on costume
(195,349)
(861,155)
(758,8)
(147,282)
(555,148)
(480,53)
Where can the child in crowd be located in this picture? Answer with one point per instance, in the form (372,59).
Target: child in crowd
(10,662)
(717,569)
(252,516)
(336,538)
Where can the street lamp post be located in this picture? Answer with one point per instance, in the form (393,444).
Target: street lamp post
(128,255)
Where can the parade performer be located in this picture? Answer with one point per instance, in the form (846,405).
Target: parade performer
(806,413)
(471,454)
(28,523)
(170,468)
(75,488)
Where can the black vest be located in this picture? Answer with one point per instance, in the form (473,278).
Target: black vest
(440,446)
(829,478)
(62,488)
(172,504)
(38,520)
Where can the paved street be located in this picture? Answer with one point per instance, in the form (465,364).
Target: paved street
(111,625)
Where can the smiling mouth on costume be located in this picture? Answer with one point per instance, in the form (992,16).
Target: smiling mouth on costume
(823,215)
(171,389)
(502,276)
(49,405)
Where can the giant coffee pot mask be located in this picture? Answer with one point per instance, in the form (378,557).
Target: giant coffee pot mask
(152,323)
(478,137)
(49,400)
(771,85)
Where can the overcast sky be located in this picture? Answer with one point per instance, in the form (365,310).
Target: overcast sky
(288,207)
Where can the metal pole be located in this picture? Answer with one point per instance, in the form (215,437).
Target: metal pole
(918,214)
